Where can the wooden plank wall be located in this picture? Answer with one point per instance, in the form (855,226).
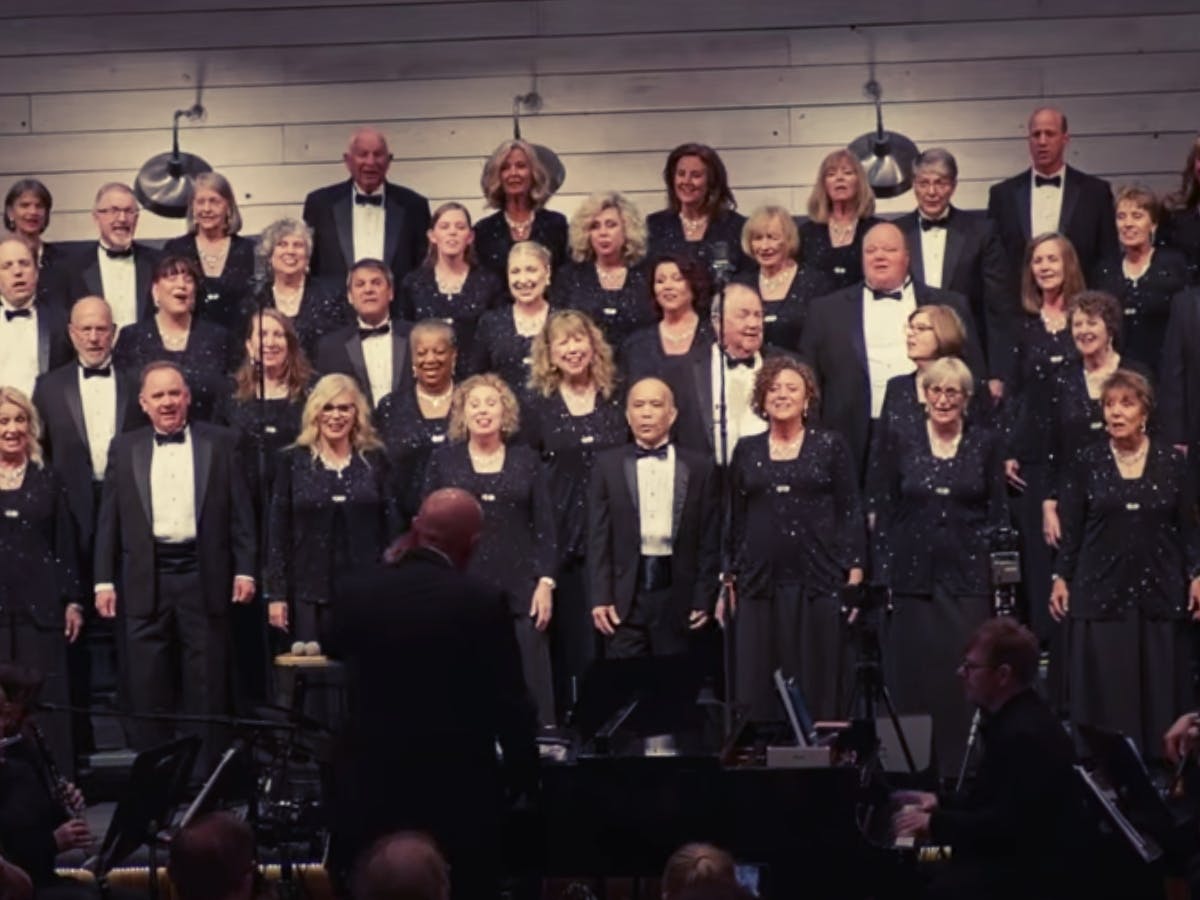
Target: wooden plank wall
(87,96)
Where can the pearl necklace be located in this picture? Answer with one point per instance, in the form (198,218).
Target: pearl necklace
(768,283)
(841,234)
(693,227)
(519,230)
(943,448)
(611,279)
(436,399)
(451,285)
(786,448)
(11,478)
(683,336)
(1129,457)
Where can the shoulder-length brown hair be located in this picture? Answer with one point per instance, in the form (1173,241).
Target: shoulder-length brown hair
(450,206)
(298,371)
(1073,282)
(489,181)
(544,376)
(719,198)
(819,205)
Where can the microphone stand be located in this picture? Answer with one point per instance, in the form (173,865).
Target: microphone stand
(720,269)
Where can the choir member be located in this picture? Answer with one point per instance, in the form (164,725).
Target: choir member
(366,216)
(413,423)
(1142,277)
(331,507)
(701,218)
(32,334)
(841,210)
(572,414)
(1128,572)
(517,185)
(1052,196)
(451,285)
(27,208)
(39,579)
(679,294)
(202,350)
(798,540)
(224,257)
(314,307)
(504,339)
(1181,224)
(1050,279)
(120,269)
(942,495)
(516,550)
(1179,382)
(605,278)
(653,533)
(770,238)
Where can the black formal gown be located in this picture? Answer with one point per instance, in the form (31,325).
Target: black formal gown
(1129,548)
(1146,302)
(783,319)
(206,360)
(324,522)
(664,235)
(1180,230)
(38,578)
(841,266)
(498,348)
(618,313)
(642,354)
(931,533)
(410,438)
(797,531)
(516,547)
(420,299)
(219,298)
(493,240)
(568,445)
(323,310)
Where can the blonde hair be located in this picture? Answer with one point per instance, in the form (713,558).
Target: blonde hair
(545,377)
(819,206)
(761,218)
(510,410)
(33,439)
(947,370)
(581,224)
(489,181)
(362,436)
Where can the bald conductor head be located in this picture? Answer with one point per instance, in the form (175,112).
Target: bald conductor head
(449,521)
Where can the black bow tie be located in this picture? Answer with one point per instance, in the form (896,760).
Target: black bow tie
(127,253)
(368,199)
(97,371)
(929,224)
(1043,181)
(10,314)
(365,333)
(659,452)
(887,295)
(174,438)
(731,363)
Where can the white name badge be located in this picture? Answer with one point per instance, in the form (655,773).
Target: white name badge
(587,439)
(11,514)
(527,361)
(438,439)
(448,320)
(270,429)
(488,498)
(1129,311)
(839,270)
(338,498)
(783,488)
(609,310)
(1095,426)
(942,491)
(771,318)
(1056,359)
(1133,507)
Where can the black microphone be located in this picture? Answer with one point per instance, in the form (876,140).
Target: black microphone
(721,266)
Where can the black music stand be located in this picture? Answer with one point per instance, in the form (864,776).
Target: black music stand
(156,787)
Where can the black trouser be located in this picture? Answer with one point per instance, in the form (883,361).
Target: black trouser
(653,626)
(24,641)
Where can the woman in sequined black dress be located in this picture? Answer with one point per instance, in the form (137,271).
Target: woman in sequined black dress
(680,292)
(841,210)
(504,339)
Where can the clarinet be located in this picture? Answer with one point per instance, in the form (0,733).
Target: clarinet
(59,784)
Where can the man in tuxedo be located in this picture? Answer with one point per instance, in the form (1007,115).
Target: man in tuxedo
(176,533)
(119,269)
(374,350)
(653,531)
(434,682)
(854,338)
(366,217)
(33,337)
(958,250)
(1052,196)
(695,379)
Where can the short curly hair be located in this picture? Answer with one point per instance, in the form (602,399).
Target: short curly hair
(631,218)
(1128,379)
(1098,305)
(510,410)
(772,368)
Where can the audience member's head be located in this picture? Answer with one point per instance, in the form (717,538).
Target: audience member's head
(213,859)
(402,866)
(693,865)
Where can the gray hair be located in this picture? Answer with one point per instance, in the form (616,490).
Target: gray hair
(937,159)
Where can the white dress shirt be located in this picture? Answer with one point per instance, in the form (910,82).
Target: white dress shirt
(173,491)
(884,323)
(656,503)
(98,397)
(19,348)
(1045,204)
(933,251)
(739,386)
(367,224)
(377,354)
(118,282)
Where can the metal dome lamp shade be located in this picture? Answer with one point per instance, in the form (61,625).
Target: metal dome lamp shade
(886,156)
(164,183)
(532,102)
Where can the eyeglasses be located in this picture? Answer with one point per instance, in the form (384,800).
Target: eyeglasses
(944,393)
(967,666)
(111,212)
(919,326)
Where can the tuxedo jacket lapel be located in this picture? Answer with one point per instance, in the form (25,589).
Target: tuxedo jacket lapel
(202,452)
(629,466)
(393,225)
(705,389)
(142,452)
(1024,206)
(358,363)
(1070,200)
(681,486)
(956,242)
(92,280)
(74,404)
(399,356)
(912,235)
(343,219)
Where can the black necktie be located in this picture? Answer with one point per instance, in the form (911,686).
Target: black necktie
(118,254)
(732,363)
(928,224)
(368,199)
(10,314)
(97,371)
(175,438)
(887,295)
(1043,181)
(659,452)
(365,333)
